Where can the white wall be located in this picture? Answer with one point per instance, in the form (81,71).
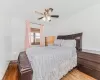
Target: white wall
(5,43)
(5,38)
(18,27)
(86,21)
(12,36)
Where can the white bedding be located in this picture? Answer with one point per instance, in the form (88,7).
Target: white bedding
(51,63)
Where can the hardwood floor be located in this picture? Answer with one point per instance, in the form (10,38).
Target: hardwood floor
(77,75)
(12,74)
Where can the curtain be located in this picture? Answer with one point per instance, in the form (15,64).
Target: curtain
(27,36)
(42,38)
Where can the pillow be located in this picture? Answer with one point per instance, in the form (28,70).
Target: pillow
(68,43)
(57,42)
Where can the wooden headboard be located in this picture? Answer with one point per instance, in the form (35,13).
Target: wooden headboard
(77,37)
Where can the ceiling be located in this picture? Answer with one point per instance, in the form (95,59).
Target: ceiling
(25,8)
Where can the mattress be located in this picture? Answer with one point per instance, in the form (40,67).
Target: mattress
(52,62)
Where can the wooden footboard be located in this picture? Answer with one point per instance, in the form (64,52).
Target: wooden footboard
(24,67)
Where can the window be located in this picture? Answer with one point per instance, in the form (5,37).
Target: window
(32,37)
(37,35)
(35,38)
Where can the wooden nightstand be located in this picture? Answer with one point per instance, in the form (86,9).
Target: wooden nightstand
(49,40)
(89,63)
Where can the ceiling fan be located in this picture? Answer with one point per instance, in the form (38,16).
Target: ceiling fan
(46,15)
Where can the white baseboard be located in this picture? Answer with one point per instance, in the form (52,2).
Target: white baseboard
(3,70)
(91,51)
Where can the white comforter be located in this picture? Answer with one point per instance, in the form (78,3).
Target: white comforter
(51,63)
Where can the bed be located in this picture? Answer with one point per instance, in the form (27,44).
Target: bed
(49,63)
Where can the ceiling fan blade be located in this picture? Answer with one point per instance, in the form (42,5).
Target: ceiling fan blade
(56,16)
(39,12)
(40,18)
(51,9)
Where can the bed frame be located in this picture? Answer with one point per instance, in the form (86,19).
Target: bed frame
(77,37)
(24,66)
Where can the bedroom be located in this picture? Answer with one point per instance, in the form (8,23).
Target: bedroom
(74,17)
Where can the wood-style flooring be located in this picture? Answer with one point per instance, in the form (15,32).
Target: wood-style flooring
(12,74)
(77,75)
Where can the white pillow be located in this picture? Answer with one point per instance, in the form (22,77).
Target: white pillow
(57,42)
(68,43)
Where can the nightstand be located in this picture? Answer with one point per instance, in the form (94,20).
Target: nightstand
(49,40)
(89,63)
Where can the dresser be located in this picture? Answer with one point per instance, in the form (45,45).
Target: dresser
(89,63)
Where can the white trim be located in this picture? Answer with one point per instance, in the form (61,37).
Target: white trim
(91,51)
(2,73)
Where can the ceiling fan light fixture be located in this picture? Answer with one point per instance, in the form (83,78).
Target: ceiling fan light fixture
(44,19)
(48,18)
